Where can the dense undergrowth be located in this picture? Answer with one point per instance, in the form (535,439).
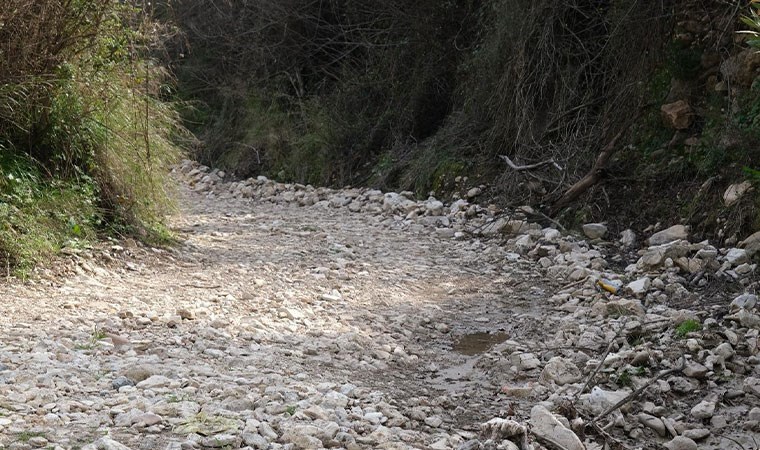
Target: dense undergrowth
(412,95)
(396,94)
(85,141)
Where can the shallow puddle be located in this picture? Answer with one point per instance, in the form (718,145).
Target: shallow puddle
(477,343)
(457,378)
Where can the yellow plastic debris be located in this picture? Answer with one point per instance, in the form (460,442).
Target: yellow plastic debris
(611,286)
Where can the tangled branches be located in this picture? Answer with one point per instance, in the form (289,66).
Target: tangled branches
(567,84)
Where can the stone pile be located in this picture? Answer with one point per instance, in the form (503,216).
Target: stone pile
(666,252)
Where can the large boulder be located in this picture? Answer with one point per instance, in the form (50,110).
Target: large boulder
(545,425)
(640,286)
(628,238)
(595,230)
(560,371)
(735,192)
(743,68)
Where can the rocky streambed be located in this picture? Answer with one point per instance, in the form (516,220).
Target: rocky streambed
(294,317)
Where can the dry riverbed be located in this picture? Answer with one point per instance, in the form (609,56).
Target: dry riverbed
(298,318)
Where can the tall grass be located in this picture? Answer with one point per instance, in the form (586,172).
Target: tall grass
(81,119)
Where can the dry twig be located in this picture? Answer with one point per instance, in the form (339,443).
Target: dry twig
(601,362)
(539,165)
(630,397)
(734,441)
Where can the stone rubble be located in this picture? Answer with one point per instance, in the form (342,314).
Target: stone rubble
(297,317)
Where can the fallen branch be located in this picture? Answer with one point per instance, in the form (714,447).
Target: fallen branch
(592,177)
(199,286)
(514,166)
(629,398)
(541,215)
(574,283)
(608,437)
(601,362)
(595,174)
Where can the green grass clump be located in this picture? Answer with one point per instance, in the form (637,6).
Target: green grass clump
(686,327)
(26,436)
(98,335)
(40,217)
(624,379)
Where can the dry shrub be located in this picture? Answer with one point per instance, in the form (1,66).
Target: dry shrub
(533,80)
(407,95)
(375,74)
(556,80)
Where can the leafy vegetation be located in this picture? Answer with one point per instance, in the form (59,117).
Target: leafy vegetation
(624,378)
(85,141)
(40,217)
(26,436)
(753,22)
(687,326)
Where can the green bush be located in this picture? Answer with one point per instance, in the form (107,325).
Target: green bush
(86,142)
(752,21)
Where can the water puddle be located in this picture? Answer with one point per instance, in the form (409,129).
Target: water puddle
(466,375)
(477,343)
(457,378)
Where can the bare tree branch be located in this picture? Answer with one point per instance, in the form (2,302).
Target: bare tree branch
(530,166)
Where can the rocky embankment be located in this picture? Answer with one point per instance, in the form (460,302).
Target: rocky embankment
(295,317)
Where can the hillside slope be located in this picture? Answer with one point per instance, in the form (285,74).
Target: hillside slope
(418,95)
